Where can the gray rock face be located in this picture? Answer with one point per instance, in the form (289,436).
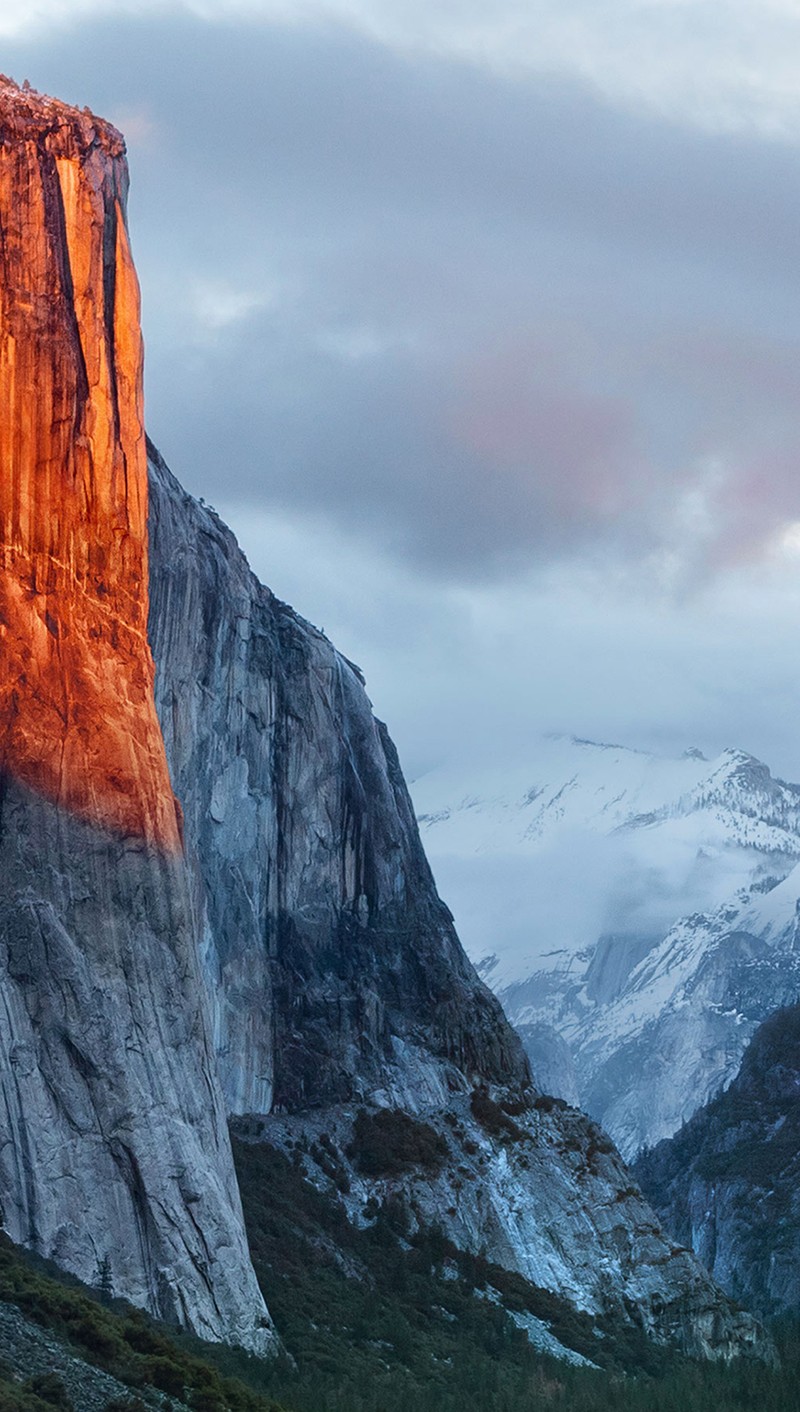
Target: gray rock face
(333,968)
(643,1086)
(114,1143)
(551,1061)
(334,971)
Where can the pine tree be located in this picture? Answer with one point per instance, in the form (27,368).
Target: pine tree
(103,1279)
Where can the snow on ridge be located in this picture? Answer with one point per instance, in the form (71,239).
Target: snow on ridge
(622,899)
(648,839)
(578,783)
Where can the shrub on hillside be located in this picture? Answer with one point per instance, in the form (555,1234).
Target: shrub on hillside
(390,1142)
(493,1118)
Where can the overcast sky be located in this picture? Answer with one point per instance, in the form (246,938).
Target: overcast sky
(480,325)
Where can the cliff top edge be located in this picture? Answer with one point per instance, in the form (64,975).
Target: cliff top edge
(25,113)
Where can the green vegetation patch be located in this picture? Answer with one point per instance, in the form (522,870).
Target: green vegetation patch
(379,1319)
(122,1341)
(389,1143)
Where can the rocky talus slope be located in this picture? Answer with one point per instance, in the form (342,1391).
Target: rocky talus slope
(727,1183)
(114,1144)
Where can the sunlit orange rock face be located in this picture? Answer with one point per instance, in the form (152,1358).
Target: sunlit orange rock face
(77,715)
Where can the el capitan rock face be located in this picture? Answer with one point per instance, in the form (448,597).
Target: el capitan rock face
(332,970)
(113,1144)
(77,717)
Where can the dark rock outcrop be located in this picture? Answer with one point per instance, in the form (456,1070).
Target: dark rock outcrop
(728,1184)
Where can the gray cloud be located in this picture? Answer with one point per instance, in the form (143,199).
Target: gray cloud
(719,63)
(488,322)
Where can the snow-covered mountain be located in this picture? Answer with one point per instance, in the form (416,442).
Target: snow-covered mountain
(636,915)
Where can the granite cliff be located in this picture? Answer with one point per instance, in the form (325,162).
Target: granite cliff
(114,1148)
(333,967)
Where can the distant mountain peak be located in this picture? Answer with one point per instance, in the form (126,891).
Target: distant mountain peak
(620,875)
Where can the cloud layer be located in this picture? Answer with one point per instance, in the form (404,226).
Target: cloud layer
(490,322)
(722,64)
